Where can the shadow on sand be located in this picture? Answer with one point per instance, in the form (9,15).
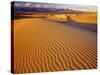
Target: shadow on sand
(86,26)
(24,17)
(69,22)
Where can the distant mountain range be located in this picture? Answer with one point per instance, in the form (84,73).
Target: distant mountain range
(47,10)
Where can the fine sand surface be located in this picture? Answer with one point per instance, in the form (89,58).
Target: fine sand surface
(41,45)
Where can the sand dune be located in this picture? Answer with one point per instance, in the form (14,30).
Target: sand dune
(58,17)
(41,45)
(85,18)
(82,18)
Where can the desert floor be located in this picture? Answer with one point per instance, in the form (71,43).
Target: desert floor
(41,45)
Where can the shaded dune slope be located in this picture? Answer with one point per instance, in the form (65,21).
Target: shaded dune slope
(41,45)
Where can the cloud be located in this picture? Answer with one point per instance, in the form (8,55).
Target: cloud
(17,4)
(28,4)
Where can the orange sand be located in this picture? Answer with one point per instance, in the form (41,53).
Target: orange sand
(82,18)
(41,45)
(85,18)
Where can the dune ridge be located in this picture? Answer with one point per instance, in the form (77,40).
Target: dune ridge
(42,46)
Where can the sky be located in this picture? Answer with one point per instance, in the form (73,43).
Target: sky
(53,5)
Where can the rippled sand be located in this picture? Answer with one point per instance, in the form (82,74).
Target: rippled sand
(41,45)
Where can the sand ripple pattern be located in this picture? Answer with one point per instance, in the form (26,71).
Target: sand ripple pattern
(42,46)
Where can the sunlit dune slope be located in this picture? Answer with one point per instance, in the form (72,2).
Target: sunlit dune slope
(85,18)
(58,17)
(82,18)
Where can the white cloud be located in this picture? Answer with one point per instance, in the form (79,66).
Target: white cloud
(28,4)
(17,4)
